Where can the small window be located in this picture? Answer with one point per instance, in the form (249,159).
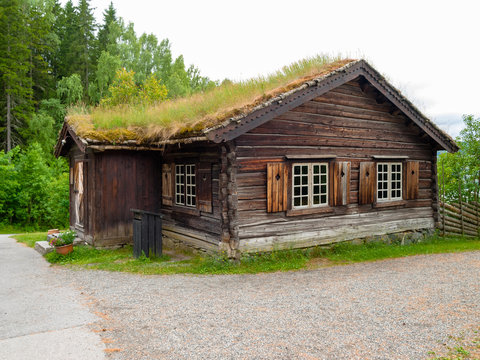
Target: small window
(310,185)
(185,185)
(389,181)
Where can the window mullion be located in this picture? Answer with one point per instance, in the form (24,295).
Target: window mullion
(389,185)
(310,185)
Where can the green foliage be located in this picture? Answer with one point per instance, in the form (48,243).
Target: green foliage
(107,68)
(65,238)
(70,89)
(9,186)
(124,90)
(460,172)
(54,108)
(34,190)
(51,57)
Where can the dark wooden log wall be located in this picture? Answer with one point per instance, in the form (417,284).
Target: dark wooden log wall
(123,180)
(353,125)
(193,226)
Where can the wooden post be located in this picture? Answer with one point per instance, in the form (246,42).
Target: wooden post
(460,202)
(477,205)
(443,198)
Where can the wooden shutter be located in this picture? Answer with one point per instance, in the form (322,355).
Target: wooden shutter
(410,177)
(340,183)
(277,183)
(167,184)
(204,187)
(367,180)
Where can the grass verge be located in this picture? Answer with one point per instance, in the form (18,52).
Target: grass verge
(30,239)
(122,259)
(465,346)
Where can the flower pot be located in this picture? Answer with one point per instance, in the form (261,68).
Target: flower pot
(64,250)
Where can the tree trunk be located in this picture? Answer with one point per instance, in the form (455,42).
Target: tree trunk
(9,121)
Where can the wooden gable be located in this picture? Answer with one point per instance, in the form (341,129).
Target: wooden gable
(372,83)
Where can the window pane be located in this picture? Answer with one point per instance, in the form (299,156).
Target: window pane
(304,190)
(316,200)
(323,199)
(296,180)
(296,202)
(180,184)
(190,185)
(304,201)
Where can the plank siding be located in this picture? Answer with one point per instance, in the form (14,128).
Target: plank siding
(124,180)
(347,123)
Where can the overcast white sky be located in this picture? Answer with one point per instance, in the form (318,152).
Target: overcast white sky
(427,49)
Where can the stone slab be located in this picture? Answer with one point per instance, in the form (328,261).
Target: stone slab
(43,247)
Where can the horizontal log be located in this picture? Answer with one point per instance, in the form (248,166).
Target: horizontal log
(321,108)
(309,237)
(324,140)
(455,215)
(352,101)
(303,116)
(251,179)
(457,223)
(466,207)
(283,127)
(459,230)
(258,204)
(294,224)
(252,192)
(344,152)
(458,211)
(456,234)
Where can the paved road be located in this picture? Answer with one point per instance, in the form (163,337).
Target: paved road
(394,309)
(41,316)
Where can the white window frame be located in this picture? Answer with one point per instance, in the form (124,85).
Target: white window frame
(185,185)
(310,186)
(390,182)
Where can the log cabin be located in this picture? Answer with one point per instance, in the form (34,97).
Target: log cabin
(337,156)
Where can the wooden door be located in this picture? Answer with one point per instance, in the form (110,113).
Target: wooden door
(78,197)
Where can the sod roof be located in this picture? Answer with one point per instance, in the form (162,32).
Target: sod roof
(194,115)
(217,114)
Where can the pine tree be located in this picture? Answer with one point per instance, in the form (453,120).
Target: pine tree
(15,65)
(42,41)
(104,38)
(68,32)
(86,38)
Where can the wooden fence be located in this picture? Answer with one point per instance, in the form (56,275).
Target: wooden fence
(459,218)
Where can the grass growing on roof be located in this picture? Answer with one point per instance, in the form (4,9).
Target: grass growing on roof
(187,116)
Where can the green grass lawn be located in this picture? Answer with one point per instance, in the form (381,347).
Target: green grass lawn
(30,239)
(122,259)
(11,229)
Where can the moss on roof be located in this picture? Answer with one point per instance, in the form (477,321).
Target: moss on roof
(191,116)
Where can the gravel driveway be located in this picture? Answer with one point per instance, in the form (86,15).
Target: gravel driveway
(393,309)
